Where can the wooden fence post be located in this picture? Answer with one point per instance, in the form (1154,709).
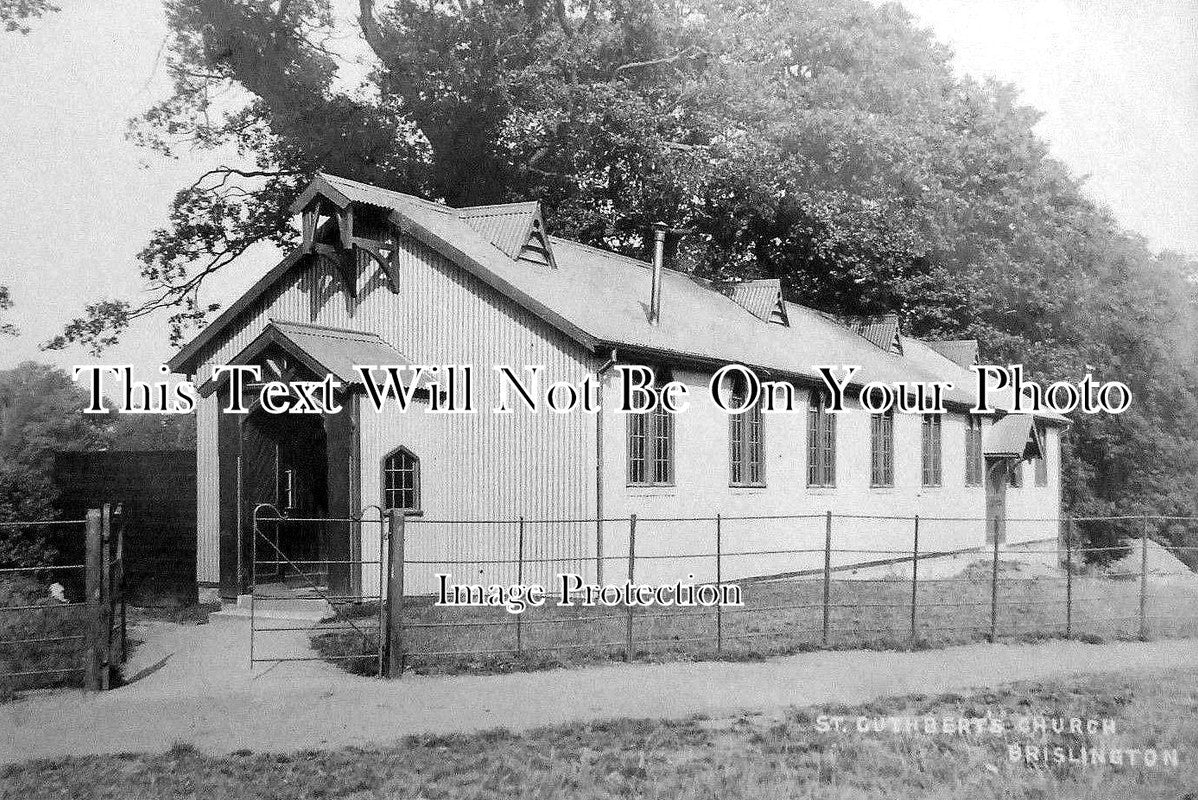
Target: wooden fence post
(1144,580)
(994,588)
(92,581)
(914,576)
(394,644)
(520,582)
(719,582)
(827,574)
(105,596)
(1069,531)
(631,574)
(119,514)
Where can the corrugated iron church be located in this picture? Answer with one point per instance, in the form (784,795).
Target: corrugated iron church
(387,278)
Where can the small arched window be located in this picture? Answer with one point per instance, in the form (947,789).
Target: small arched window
(401,480)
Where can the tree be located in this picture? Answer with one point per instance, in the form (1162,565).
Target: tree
(153,432)
(16,14)
(6,328)
(826,142)
(41,411)
(25,496)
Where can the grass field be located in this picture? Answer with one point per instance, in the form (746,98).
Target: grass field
(786,755)
(778,617)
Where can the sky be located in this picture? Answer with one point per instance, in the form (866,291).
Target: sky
(1117,81)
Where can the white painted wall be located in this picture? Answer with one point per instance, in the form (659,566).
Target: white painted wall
(951,515)
(475,467)
(487,467)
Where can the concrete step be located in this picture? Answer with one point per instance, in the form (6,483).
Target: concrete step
(311,611)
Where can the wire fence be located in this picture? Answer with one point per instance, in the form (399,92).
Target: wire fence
(342,574)
(798,582)
(65,624)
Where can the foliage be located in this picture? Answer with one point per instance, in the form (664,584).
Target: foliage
(153,432)
(6,328)
(46,636)
(41,411)
(15,15)
(25,496)
(824,142)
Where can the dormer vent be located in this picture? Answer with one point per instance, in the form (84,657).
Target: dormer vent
(761,298)
(517,229)
(882,331)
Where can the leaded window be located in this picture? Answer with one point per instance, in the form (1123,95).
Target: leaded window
(881,471)
(974,463)
(746,441)
(401,481)
(931,452)
(651,447)
(821,441)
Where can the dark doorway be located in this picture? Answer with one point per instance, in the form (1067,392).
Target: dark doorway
(284,462)
(305,466)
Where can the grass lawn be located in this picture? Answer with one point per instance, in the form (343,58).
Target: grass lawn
(751,756)
(778,617)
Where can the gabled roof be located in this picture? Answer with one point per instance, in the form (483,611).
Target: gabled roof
(881,331)
(761,298)
(960,351)
(321,350)
(1013,436)
(517,229)
(600,299)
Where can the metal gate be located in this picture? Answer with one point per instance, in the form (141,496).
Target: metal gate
(290,598)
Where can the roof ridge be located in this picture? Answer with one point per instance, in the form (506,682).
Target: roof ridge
(324,328)
(522,204)
(403,196)
(621,257)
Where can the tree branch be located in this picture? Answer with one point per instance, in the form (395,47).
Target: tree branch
(693,50)
(371,30)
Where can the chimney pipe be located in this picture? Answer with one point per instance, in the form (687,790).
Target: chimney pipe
(659,257)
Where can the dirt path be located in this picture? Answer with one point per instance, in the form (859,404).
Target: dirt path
(204,693)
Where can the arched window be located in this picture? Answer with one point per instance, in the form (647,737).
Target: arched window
(401,480)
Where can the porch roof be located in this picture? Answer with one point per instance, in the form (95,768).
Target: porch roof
(321,350)
(1013,436)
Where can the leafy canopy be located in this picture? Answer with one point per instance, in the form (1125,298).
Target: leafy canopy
(824,142)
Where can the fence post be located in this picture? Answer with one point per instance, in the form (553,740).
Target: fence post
(719,582)
(1069,531)
(394,662)
(914,575)
(520,582)
(105,621)
(631,573)
(1144,580)
(827,573)
(92,579)
(994,588)
(120,572)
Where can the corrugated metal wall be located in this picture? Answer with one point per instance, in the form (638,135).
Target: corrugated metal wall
(479,466)
(207,494)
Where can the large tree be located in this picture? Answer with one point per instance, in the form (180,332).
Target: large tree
(41,411)
(15,15)
(824,142)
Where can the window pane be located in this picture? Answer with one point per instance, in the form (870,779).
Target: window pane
(401,481)
(930,450)
(637,448)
